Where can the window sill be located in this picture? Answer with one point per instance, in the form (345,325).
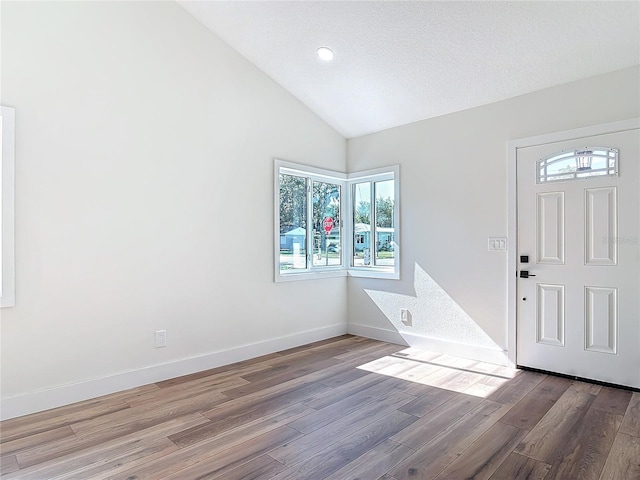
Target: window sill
(294,277)
(374,273)
(351,272)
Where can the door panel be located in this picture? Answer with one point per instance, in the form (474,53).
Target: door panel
(550,314)
(601,320)
(550,216)
(578,311)
(601,223)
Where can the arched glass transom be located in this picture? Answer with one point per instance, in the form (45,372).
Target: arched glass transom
(577,164)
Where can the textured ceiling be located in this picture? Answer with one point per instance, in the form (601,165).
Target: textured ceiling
(400,62)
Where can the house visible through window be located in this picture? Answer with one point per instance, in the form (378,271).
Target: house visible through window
(374,229)
(316,237)
(293,222)
(327,224)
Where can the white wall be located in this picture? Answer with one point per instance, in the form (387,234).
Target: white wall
(453,183)
(144,163)
(144,201)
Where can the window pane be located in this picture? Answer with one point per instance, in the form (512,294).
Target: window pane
(385,238)
(293,224)
(326,224)
(577,164)
(362,224)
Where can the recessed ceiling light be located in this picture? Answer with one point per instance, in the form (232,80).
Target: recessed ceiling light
(325,54)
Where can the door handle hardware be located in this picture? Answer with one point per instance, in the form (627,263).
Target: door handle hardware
(526,274)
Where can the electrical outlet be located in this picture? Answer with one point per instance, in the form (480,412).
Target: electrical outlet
(161,338)
(405,316)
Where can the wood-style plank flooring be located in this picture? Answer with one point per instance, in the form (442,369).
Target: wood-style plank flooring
(344,408)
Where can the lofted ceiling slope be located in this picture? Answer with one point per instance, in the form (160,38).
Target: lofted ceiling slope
(399,62)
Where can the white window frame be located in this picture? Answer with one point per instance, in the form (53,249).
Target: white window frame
(346,182)
(311,174)
(7,195)
(373,176)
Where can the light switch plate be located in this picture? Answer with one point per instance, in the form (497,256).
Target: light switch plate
(497,243)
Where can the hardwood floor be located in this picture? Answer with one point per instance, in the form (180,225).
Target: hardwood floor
(344,408)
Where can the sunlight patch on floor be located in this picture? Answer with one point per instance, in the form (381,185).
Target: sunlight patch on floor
(443,371)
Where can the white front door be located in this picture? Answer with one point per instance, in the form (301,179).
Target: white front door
(578,312)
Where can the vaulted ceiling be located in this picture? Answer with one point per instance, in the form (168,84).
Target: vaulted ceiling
(399,62)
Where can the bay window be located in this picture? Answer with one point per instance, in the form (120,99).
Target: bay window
(325,225)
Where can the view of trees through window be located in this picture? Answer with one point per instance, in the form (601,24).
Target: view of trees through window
(383,232)
(326,224)
(293,222)
(311,222)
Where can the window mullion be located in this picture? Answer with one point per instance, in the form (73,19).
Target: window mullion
(351,211)
(309,225)
(343,226)
(372,219)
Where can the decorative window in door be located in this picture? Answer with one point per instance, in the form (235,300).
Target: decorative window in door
(578,164)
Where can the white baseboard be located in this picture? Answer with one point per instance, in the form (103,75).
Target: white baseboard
(382,334)
(473,352)
(67,394)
